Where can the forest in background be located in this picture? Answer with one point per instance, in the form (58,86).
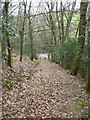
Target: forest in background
(59,29)
(36,87)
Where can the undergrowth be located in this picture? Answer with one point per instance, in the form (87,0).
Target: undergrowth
(65,54)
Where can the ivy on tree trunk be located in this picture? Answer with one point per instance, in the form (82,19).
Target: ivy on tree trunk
(7,34)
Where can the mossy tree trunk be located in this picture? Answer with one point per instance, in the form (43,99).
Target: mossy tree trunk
(88,77)
(6,5)
(81,38)
(3,37)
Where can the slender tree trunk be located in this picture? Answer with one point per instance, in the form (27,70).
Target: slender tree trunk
(81,39)
(52,49)
(88,78)
(53,41)
(59,27)
(62,21)
(7,37)
(30,32)
(3,37)
(9,52)
(69,22)
(3,46)
(22,33)
(51,25)
(77,31)
(21,48)
(31,39)
(52,28)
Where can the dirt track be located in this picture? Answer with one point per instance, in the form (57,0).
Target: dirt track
(51,92)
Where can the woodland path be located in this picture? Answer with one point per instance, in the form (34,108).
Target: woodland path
(50,92)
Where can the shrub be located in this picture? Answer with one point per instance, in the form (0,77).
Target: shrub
(65,54)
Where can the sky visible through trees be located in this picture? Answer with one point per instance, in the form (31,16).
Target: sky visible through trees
(35,4)
(45,58)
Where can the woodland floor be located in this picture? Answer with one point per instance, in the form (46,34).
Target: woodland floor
(43,89)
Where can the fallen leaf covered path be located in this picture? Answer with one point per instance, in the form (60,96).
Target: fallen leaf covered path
(49,93)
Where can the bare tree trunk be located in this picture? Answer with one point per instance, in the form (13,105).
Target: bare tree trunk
(69,21)
(62,21)
(21,48)
(31,39)
(52,29)
(77,31)
(81,38)
(30,32)
(22,32)
(51,25)
(59,27)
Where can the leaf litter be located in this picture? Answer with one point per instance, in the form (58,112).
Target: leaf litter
(42,90)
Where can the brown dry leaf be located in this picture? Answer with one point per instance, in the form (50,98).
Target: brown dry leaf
(48,93)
